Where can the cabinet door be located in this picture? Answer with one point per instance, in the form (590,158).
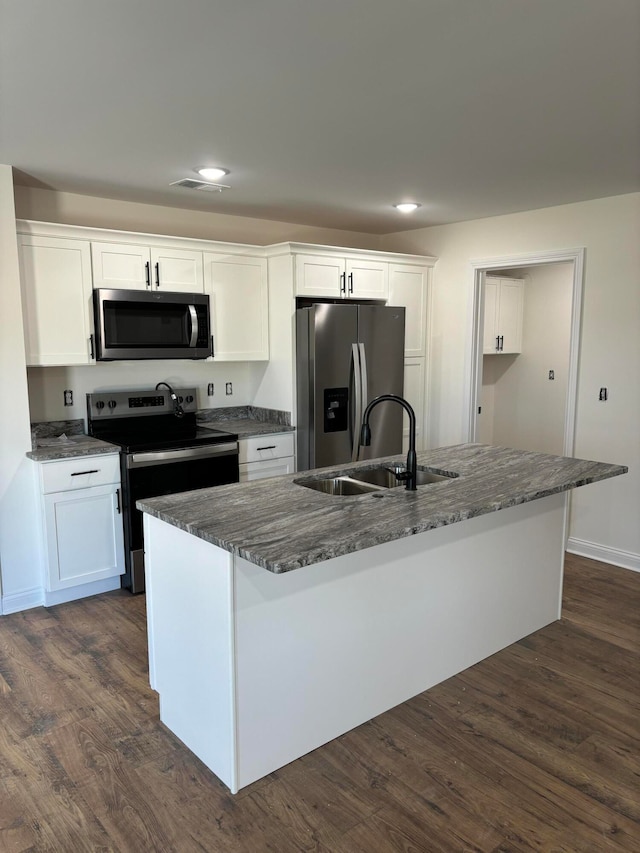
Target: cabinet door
(367,279)
(239,298)
(414,381)
(177,270)
(510,315)
(84,536)
(56,293)
(119,266)
(408,288)
(262,470)
(320,275)
(491,302)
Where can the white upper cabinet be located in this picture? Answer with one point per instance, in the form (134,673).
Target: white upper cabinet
(239,299)
(408,288)
(354,277)
(136,267)
(56,294)
(503,315)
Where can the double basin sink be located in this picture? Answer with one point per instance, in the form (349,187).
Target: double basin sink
(364,481)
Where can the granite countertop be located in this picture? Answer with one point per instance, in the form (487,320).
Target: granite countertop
(282,526)
(245,421)
(245,427)
(69,447)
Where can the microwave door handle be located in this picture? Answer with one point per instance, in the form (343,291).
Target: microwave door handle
(194,325)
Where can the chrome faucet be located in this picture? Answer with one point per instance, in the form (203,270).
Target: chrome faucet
(178,411)
(365,436)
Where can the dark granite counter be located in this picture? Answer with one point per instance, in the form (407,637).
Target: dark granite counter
(245,421)
(69,447)
(280,525)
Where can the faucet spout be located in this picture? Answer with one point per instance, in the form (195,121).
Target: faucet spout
(365,435)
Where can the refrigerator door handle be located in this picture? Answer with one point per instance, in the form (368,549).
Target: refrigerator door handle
(364,382)
(357,389)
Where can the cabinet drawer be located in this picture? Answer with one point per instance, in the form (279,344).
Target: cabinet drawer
(261,470)
(262,447)
(80,473)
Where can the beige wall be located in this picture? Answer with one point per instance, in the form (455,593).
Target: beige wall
(72,209)
(604,515)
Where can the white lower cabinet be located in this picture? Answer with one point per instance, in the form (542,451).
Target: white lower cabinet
(266,456)
(82,523)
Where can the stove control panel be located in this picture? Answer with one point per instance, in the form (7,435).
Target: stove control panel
(102,405)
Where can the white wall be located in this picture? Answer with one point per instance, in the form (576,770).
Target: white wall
(19,557)
(604,518)
(521,407)
(47,384)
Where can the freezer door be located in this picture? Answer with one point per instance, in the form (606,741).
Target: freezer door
(325,335)
(381,335)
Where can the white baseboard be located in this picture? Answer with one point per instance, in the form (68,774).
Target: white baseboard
(38,597)
(60,596)
(24,600)
(614,556)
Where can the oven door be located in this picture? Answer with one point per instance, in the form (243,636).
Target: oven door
(166,472)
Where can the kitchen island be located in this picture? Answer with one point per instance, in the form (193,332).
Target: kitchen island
(280,617)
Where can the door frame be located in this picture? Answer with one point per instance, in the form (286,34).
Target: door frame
(474,371)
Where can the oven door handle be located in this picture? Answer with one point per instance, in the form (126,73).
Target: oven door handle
(184,454)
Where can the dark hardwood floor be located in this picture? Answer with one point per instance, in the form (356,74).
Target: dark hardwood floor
(536,748)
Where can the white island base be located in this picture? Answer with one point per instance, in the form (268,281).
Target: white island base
(255,669)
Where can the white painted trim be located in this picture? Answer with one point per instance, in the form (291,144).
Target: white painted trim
(604,554)
(346,252)
(479,268)
(61,596)
(17,601)
(111,235)
(426,416)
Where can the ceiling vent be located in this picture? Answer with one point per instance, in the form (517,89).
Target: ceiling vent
(205,186)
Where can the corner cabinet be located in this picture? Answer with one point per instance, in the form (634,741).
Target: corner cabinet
(56,300)
(82,526)
(503,315)
(239,298)
(353,277)
(135,267)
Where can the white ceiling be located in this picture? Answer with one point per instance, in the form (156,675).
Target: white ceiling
(325,111)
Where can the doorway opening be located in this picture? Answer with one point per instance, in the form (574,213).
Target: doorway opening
(523,380)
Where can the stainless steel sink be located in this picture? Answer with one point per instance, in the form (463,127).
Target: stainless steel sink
(385,476)
(340,486)
(362,482)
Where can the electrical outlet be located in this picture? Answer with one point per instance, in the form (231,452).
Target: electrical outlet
(210,389)
(552,375)
(229,389)
(604,395)
(68,397)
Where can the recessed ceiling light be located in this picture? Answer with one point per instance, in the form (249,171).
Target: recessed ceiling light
(407,207)
(212,173)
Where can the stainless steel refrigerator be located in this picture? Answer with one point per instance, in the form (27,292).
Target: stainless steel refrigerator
(346,356)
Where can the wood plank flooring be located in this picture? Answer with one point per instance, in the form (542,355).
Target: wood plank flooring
(536,748)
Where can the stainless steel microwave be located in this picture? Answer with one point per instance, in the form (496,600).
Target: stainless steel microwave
(136,324)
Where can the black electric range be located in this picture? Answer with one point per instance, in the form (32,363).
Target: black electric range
(162,451)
